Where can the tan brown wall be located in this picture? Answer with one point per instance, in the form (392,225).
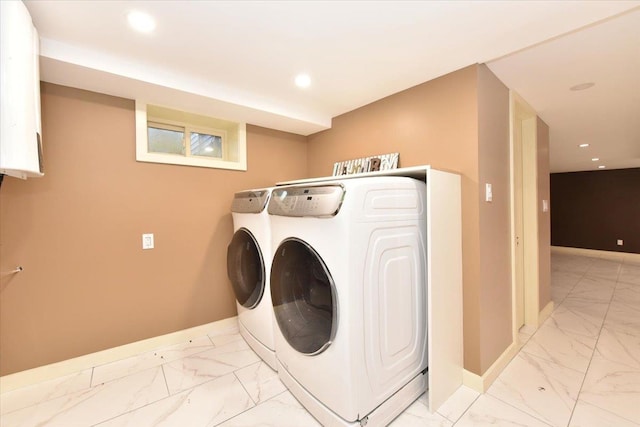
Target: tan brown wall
(80,294)
(437,123)
(432,123)
(87,285)
(544,218)
(495,231)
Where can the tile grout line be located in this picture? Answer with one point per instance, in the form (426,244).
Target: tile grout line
(91,379)
(211,341)
(595,347)
(464,412)
(582,275)
(558,364)
(256,405)
(169,395)
(129,411)
(243,387)
(522,350)
(161,360)
(250,398)
(520,410)
(166,384)
(525,412)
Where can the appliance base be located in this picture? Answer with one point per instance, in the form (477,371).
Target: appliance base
(381,416)
(265,353)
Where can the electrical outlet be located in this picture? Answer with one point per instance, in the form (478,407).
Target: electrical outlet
(620,242)
(147,241)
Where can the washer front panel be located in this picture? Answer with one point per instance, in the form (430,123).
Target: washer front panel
(245,268)
(304,297)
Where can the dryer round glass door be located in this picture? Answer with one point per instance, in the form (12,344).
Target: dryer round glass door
(245,268)
(304,297)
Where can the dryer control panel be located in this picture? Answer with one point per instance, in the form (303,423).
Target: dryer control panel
(317,201)
(250,201)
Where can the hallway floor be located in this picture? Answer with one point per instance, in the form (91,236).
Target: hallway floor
(580,368)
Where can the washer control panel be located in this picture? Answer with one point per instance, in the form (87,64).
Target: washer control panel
(250,201)
(317,201)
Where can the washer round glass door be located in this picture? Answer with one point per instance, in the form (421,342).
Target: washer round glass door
(303,297)
(245,268)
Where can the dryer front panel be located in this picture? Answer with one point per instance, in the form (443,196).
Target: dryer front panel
(245,268)
(304,297)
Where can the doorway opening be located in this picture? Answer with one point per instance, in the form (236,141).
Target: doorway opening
(524,225)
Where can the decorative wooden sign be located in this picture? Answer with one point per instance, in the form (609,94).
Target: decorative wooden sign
(382,162)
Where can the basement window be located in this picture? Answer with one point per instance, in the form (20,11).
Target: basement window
(164,135)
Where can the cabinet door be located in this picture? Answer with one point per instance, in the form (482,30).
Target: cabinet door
(20,142)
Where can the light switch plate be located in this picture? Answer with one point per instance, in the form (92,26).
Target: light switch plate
(488,192)
(147,241)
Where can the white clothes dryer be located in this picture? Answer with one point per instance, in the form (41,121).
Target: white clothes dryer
(348,288)
(248,266)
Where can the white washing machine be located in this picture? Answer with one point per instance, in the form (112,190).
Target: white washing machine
(348,287)
(248,265)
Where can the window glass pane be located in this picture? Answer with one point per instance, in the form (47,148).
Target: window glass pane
(165,141)
(206,145)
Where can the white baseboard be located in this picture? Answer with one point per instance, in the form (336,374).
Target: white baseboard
(481,383)
(70,366)
(618,256)
(545,313)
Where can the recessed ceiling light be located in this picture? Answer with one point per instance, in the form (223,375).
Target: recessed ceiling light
(595,159)
(601,167)
(582,86)
(303,80)
(140,21)
(583,145)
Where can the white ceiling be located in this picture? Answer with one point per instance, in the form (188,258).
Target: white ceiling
(237,59)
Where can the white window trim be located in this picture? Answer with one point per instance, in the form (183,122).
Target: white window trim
(143,154)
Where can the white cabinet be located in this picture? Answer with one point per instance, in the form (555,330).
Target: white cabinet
(20,126)
(444,284)
(444,275)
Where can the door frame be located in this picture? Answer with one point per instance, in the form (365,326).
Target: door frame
(525,286)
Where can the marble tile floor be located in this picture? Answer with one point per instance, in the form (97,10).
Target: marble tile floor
(580,368)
